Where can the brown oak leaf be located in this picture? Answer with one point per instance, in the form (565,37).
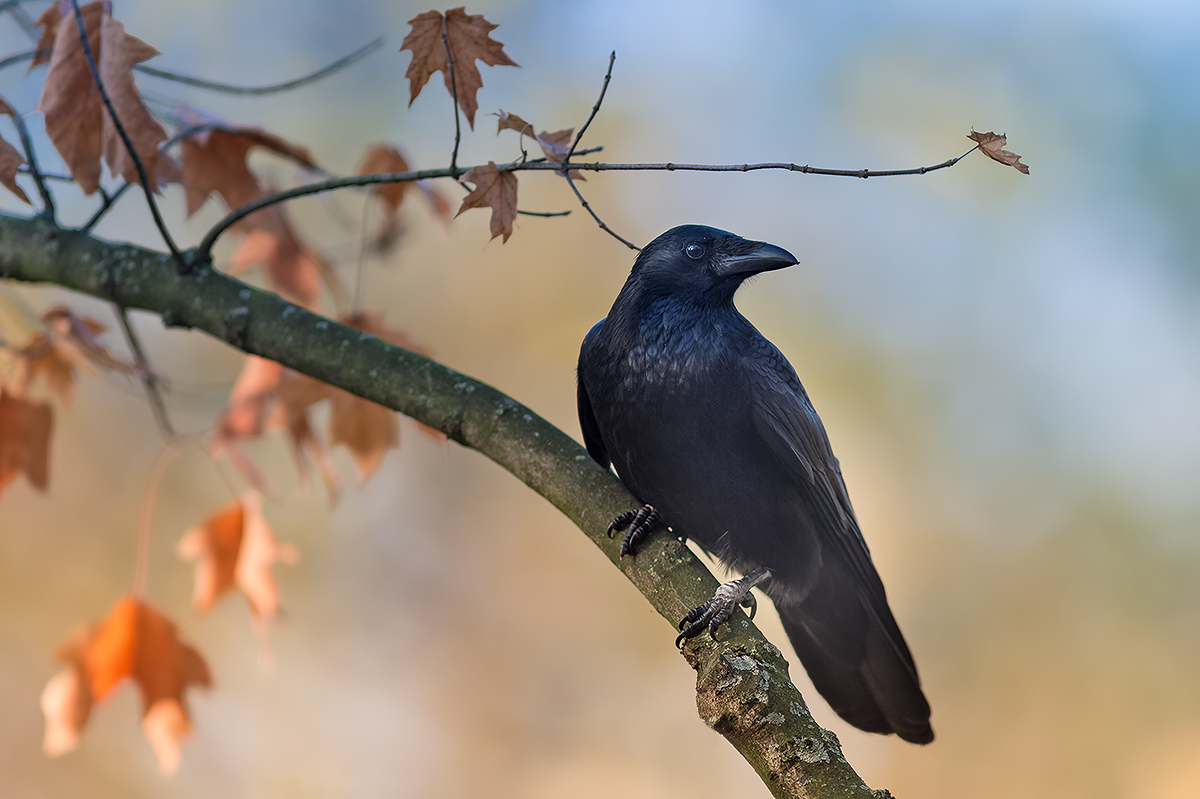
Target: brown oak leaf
(24,440)
(134,641)
(468,40)
(235,546)
(992,145)
(496,189)
(10,159)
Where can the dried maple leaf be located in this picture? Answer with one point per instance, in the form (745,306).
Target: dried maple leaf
(69,343)
(10,159)
(554,145)
(134,641)
(235,546)
(24,440)
(385,158)
(496,189)
(468,40)
(293,271)
(992,145)
(214,159)
(118,53)
(48,22)
(70,102)
(245,415)
(507,121)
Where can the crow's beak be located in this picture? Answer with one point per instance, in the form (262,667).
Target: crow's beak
(765,259)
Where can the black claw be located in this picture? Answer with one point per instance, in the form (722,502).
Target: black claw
(718,610)
(639,522)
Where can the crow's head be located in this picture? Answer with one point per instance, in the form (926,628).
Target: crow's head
(699,261)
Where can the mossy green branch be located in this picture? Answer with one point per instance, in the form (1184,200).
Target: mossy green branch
(743,689)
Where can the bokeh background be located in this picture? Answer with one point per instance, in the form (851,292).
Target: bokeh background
(1008,367)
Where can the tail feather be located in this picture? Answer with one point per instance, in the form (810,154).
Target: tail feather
(860,664)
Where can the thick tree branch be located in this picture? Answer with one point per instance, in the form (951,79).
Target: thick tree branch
(743,689)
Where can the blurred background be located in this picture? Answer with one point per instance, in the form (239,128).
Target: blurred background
(1008,368)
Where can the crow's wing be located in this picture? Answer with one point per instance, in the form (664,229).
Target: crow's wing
(843,630)
(587,419)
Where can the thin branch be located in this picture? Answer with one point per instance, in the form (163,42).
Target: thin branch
(141,562)
(150,378)
(599,221)
(545,214)
(31,156)
(180,262)
(535,165)
(109,200)
(24,170)
(19,58)
(227,88)
(13,7)
(612,59)
(454,98)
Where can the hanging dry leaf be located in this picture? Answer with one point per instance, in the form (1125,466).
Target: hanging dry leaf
(214,159)
(495,189)
(468,40)
(70,102)
(69,343)
(24,440)
(10,159)
(118,53)
(992,145)
(507,121)
(385,158)
(293,271)
(48,22)
(555,146)
(245,416)
(235,546)
(134,641)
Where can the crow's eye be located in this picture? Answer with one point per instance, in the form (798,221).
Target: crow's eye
(694,251)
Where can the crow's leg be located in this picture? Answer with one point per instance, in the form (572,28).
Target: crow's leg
(640,522)
(719,609)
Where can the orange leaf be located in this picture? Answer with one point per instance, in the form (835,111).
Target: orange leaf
(118,53)
(236,546)
(24,440)
(992,145)
(134,641)
(70,102)
(468,40)
(495,189)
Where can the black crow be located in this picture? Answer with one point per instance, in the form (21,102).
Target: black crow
(707,423)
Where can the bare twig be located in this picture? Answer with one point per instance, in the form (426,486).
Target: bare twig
(536,165)
(19,58)
(180,262)
(544,213)
(150,378)
(24,170)
(141,563)
(273,88)
(612,59)
(13,7)
(454,98)
(31,156)
(599,221)
(109,200)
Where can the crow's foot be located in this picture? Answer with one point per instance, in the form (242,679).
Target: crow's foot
(640,522)
(719,609)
